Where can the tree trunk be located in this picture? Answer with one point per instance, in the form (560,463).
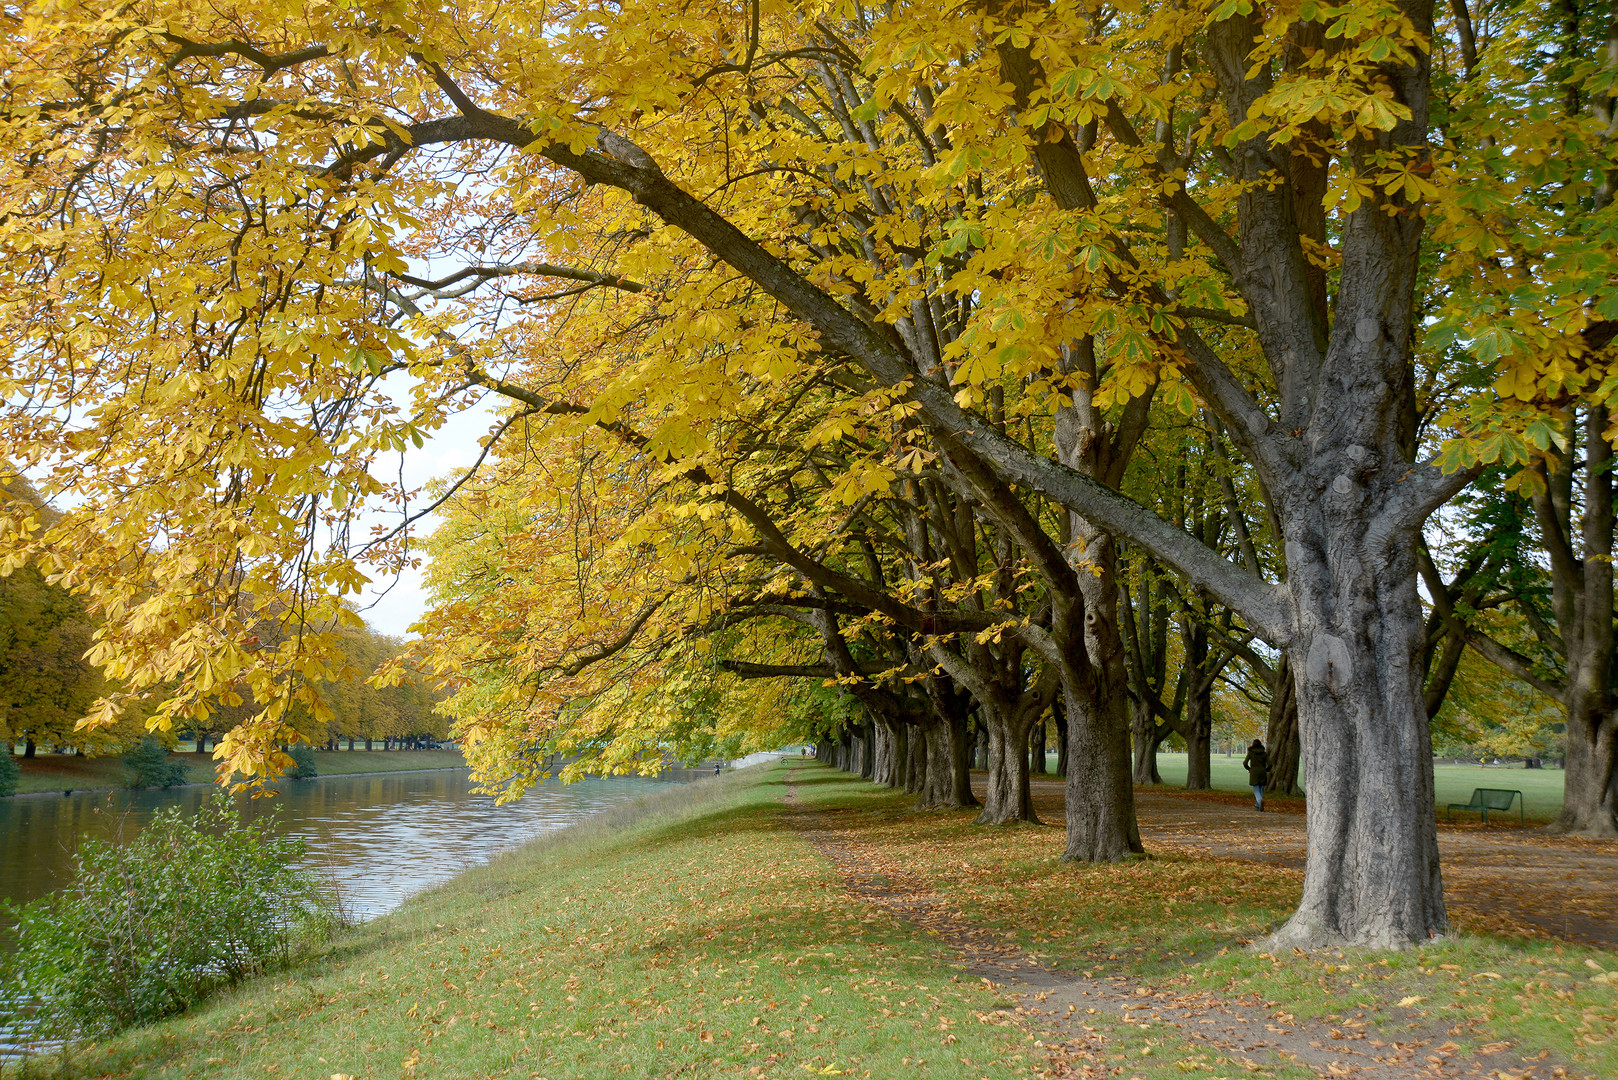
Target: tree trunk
(916,761)
(28,749)
(1145,736)
(898,753)
(1371,876)
(1100,798)
(938,773)
(881,748)
(351,742)
(960,764)
(1061,738)
(1583,592)
(1281,738)
(868,751)
(1590,785)
(1006,795)
(1198,740)
(1036,748)
(1198,719)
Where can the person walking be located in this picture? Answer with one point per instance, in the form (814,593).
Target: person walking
(1257,764)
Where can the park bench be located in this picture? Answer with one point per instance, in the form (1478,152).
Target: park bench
(1486,799)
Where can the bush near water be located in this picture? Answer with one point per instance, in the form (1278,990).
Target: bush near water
(303,762)
(150,926)
(150,765)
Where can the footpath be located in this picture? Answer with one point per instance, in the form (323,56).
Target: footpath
(790,920)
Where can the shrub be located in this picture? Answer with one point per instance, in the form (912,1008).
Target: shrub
(150,766)
(8,774)
(148,927)
(303,762)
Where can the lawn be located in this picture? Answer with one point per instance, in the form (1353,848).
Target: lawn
(62,772)
(1541,788)
(699,934)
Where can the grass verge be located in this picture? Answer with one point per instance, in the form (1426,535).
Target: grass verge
(691,933)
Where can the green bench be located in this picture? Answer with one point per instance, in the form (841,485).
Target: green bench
(1486,799)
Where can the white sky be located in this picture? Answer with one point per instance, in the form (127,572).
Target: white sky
(391,605)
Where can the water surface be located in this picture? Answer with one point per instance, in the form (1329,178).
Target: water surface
(381,836)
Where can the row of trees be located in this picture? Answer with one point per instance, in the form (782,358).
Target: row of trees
(901,368)
(352,708)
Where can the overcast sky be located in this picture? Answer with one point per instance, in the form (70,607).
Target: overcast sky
(391,605)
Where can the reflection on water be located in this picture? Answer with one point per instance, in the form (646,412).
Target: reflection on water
(381,836)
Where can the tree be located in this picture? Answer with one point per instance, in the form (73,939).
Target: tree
(1552,628)
(303,762)
(9,774)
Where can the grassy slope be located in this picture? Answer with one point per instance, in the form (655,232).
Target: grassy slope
(1541,788)
(59,772)
(622,949)
(704,939)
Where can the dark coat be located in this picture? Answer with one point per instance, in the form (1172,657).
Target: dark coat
(1257,764)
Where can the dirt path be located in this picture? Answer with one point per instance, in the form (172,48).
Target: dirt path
(1496,878)
(1062,1007)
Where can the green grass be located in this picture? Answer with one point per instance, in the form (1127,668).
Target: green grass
(689,933)
(62,772)
(1541,788)
(695,935)
(333,763)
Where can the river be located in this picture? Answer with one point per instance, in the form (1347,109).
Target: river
(380,836)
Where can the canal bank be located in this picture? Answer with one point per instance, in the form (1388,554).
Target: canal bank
(688,931)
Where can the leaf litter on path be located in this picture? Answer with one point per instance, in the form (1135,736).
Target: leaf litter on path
(1096,1026)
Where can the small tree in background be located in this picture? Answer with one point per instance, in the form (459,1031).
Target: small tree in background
(150,765)
(303,762)
(8,774)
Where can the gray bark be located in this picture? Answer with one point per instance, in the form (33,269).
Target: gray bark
(1198,720)
(1581,594)
(1281,737)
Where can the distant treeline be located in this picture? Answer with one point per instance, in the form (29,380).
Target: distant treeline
(362,714)
(46,685)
